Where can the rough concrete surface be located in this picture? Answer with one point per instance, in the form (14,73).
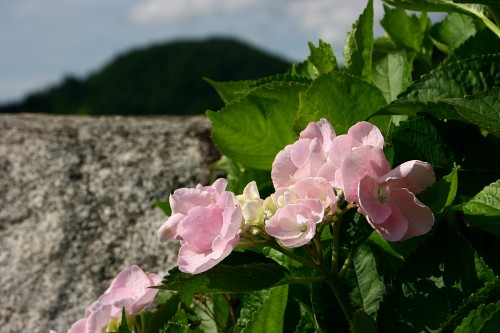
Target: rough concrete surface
(76,199)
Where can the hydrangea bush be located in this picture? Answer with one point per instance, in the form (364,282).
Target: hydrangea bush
(357,199)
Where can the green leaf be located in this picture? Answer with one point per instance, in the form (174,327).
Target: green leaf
(322,58)
(392,75)
(480,43)
(485,319)
(238,177)
(164,206)
(252,130)
(239,272)
(456,80)
(449,6)
(231,90)
(490,293)
(481,109)
(359,45)
(483,210)
(124,327)
(405,30)
(369,287)
(440,196)
(176,328)
(266,311)
(452,31)
(363,323)
(327,311)
(341,98)
(432,284)
(418,139)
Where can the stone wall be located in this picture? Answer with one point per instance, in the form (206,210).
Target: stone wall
(76,199)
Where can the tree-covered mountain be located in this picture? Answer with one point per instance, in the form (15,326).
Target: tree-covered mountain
(160,79)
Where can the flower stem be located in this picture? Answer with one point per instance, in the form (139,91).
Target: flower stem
(292,255)
(340,294)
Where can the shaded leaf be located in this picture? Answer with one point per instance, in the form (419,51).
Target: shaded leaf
(456,80)
(266,311)
(483,210)
(481,109)
(369,285)
(239,272)
(363,323)
(485,319)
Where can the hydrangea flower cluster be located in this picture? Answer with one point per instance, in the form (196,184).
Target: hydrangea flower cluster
(311,178)
(129,290)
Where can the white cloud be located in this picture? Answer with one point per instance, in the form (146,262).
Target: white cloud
(152,11)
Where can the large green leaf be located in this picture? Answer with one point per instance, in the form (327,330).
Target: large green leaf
(327,311)
(359,45)
(480,43)
(341,98)
(490,293)
(404,29)
(239,272)
(263,311)
(432,284)
(418,139)
(363,323)
(452,31)
(392,75)
(231,90)
(482,109)
(369,287)
(252,130)
(456,80)
(484,209)
(485,319)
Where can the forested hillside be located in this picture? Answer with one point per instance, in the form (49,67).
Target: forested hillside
(163,79)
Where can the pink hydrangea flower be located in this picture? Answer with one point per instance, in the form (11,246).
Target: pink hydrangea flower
(360,134)
(306,157)
(209,234)
(129,289)
(183,200)
(387,197)
(294,225)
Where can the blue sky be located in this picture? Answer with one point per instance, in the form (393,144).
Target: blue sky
(44,40)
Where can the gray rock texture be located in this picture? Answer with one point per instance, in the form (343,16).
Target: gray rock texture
(76,199)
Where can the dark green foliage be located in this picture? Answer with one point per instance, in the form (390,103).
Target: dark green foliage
(164,79)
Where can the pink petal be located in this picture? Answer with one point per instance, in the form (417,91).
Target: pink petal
(183,199)
(322,129)
(366,134)
(364,161)
(368,201)
(412,175)
(168,230)
(394,227)
(79,326)
(419,216)
(283,169)
(200,227)
(193,261)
